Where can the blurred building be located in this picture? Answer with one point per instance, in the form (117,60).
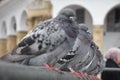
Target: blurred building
(17,17)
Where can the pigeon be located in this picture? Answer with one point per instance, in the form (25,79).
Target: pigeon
(50,38)
(48,35)
(84,56)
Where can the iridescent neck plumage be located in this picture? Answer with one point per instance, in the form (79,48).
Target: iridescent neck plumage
(71,28)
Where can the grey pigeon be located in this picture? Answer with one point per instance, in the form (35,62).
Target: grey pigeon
(84,56)
(50,37)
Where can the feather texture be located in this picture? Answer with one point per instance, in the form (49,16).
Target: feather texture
(50,36)
(84,55)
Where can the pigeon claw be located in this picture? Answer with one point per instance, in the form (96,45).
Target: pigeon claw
(58,70)
(49,67)
(78,74)
(94,77)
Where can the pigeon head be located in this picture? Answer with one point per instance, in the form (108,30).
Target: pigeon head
(67,14)
(83,27)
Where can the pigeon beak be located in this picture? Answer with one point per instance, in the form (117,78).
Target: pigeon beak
(72,18)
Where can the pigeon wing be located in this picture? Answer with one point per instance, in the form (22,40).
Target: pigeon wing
(44,38)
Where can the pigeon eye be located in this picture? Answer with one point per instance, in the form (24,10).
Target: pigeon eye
(65,14)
